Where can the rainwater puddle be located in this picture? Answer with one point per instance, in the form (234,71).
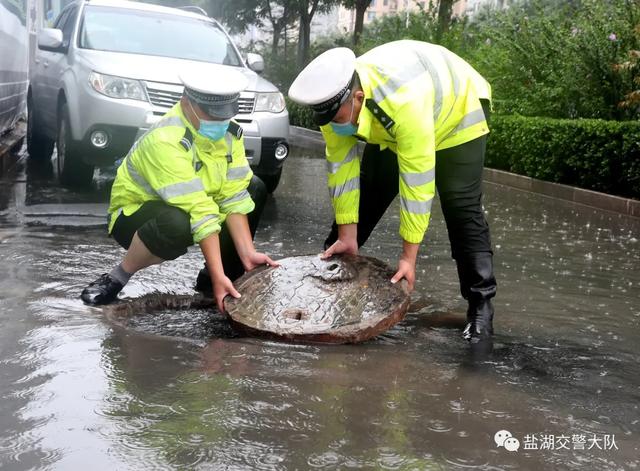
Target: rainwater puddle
(77,388)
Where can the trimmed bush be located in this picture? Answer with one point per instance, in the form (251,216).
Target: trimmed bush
(590,153)
(301,116)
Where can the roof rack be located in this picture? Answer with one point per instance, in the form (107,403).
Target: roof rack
(194,9)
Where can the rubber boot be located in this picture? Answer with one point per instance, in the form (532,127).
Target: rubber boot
(478,286)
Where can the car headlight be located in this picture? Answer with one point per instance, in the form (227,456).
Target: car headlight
(272,102)
(117,87)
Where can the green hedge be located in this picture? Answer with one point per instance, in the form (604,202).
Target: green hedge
(589,153)
(300,115)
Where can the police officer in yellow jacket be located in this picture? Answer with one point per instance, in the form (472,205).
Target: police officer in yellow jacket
(422,111)
(185,181)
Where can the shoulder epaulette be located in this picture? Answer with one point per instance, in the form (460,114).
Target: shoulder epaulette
(235,129)
(187,139)
(378,113)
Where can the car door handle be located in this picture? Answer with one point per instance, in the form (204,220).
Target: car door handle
(46,63)
(37,61)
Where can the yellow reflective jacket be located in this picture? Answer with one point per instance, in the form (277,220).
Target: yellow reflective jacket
(172,162)
(420,98)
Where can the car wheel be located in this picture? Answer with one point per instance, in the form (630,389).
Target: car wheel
(39,147)
(271,181)
(72,170)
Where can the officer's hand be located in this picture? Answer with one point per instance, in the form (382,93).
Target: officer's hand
(348,246)
(223,287)
(256,259)
(406,270)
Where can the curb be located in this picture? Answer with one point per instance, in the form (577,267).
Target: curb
(594,199)
(629,207)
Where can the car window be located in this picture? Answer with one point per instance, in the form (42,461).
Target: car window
(62,17)
(156,34)
(67,28)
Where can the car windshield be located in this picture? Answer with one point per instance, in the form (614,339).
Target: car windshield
(156,34)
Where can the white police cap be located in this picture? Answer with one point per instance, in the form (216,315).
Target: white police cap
(215,88)
(325,83)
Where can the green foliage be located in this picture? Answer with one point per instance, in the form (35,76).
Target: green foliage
(560,61)
(630,69)
(590,153)
(543,57)
(557,59)
(421,25)
(280,69)
(301,115)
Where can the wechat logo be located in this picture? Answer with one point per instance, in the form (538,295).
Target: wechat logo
(505,439)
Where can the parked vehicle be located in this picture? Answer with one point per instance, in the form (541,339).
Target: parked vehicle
(108,70)
(14,62)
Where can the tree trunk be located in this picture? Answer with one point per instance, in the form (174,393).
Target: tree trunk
(275,39)
(213,8)
(445,8)
(361,8)
(286,41)
(304,39)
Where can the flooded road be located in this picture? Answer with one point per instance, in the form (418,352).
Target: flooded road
(563,379)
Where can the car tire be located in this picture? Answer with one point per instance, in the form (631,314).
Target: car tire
(39,147)
(271,181)
(72,170)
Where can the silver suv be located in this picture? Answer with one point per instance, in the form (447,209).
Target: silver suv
(108,70)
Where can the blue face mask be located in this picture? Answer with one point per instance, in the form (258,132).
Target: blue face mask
(345,129)
(213,130)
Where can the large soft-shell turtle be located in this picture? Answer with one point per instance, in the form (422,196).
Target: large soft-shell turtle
(345,299)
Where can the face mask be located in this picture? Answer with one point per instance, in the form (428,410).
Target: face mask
(345,129)
(213,130)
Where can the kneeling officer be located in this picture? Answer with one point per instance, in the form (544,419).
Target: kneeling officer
(185,181)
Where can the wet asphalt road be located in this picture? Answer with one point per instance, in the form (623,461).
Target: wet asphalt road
(75,388)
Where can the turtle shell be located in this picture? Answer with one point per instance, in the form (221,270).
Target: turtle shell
(344,299)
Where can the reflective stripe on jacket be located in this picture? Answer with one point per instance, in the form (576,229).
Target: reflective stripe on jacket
(420,98)
(171,162)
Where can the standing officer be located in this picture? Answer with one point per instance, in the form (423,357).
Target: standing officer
(422,111)
(185,181)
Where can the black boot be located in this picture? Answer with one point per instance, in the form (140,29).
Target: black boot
(480,322)
(102,291)
(203,282)
(478,286)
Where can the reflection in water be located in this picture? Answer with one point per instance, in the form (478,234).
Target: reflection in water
(76,388)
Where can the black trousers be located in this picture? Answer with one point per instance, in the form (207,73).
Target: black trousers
(166,230)
(459,185)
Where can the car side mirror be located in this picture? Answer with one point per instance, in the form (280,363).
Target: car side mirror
(255,62)
(50,39)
